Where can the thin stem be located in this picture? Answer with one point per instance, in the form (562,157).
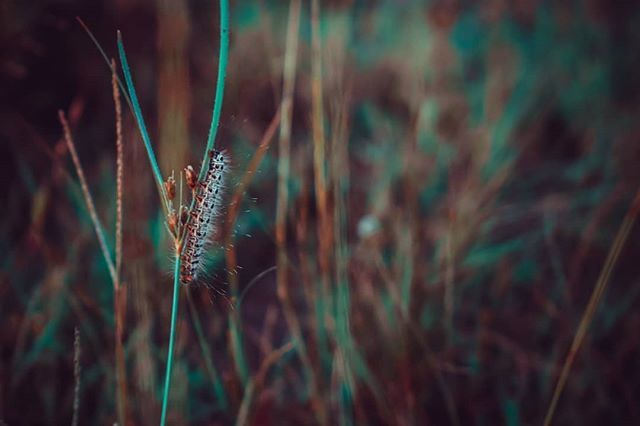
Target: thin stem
(76,376)
(590,310)
(172,337)
(119,307)
(284,147)
(119,170)
(223,59)
(319,157)
(339,169)
(222,72)
(323,226)
(87,197)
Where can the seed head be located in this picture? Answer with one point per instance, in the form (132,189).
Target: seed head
(191,177)
(170,188)
(184,214)
(172,221)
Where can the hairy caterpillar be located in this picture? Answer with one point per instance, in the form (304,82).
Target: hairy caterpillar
(208,197)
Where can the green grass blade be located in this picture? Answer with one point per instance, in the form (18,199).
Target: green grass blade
(138,114)
(222,72)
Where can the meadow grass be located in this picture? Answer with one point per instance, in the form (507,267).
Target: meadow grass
(165,198)
(437,204)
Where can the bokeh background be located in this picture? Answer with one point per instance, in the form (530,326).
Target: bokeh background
(479,158)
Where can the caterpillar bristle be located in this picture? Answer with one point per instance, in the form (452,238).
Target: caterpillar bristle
(207,197)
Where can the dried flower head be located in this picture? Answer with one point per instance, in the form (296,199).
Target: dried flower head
(172,221)
(170,187)
(184,215)
(191,177)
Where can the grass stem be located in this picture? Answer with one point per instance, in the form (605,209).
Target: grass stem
(172,338)
(323,228)
(590,310)
(222,72)
(87,196)
(119,292)
(223,59)
(284,147)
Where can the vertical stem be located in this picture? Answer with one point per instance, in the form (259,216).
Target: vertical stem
(76,376)
(121,381)
(222,72)
(286,108)
(319,159)
(339,166)
(119,292)
(119,169)
(172,337)
(223,58)
(284,147)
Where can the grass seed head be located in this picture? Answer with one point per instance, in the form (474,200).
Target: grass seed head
(170,187)
(191,177)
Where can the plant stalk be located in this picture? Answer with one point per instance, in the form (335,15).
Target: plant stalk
(592,305)
(222,72)
(172,337)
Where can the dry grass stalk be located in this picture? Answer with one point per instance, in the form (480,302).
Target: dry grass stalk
(119,292)
(87,196)
(282,201)
(594,301)
(119,168)
(319,156)
(76,376)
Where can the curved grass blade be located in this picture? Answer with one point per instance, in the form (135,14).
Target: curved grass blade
(140,120)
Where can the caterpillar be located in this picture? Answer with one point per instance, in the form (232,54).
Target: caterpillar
(208,198)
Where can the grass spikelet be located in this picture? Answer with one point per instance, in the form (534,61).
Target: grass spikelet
(76,376)
(87,196)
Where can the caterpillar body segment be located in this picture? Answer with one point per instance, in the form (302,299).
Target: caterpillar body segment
(207,208)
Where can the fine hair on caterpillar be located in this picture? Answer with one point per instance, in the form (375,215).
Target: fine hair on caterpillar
(207,196)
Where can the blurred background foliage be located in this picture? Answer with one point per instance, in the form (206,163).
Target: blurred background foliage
(479,158)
